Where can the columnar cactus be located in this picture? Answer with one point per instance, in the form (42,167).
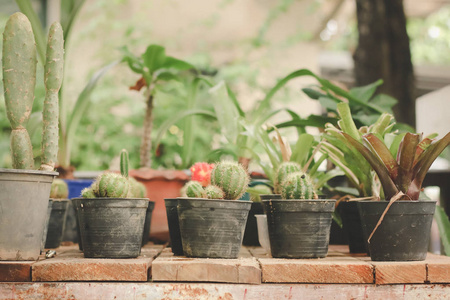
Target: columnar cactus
(19,79)
(194,189)
(124,161)
(59,189)
(53,79)
(231,177)
(214,192)
(283,171)
(297,186)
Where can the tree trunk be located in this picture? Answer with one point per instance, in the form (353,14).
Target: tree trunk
(146,143)
(383,52)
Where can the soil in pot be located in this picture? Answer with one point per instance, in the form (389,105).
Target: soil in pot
(351,224)
(56,223)
(24,196)
(404,233)
(299,228)
(174,226)
(212,228)
(147,223)
(112,227)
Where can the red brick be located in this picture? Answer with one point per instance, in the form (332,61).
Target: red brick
(338,269)
(15,271)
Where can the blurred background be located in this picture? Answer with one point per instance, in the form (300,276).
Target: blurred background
(249,44)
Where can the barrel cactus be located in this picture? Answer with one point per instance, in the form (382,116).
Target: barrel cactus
(194,189)
(285,168)
(59,189)
(297,186)
(214,192)
(231,178)
(19,78)
(112,185)
(137,189)
(88,193)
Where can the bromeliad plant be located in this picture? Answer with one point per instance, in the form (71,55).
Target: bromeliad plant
(229,181)
(19,79)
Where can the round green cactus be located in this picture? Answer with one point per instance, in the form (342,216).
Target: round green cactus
(297,186)
(285,168)
(137,189)
(59,189)
(214,192)
(88,193)
(194,189)
(231,178)
(111,185)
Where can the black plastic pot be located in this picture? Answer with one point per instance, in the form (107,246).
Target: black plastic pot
(212,228)
(148,221)
(174,226)
(299,228)
(251,228)
(351,224)
(44,236)
(75,204)
(56,223)
(112,227)
(404,233)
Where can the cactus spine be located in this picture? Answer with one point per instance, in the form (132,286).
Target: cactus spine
(231,177)
(19,79)
(59,189)
(53,79)
(194,189)
(283,171)
(297,186)
(214,192)
(124,163)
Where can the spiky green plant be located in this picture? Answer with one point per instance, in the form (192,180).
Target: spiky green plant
(88,193)
(124,162)
(297,186)
(111,185)
(19,79)
(285,168)
(194,189)
(214,192)
(59,189)
(137,189)
(231,177)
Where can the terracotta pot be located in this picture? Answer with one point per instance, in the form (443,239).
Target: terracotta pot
(160,184)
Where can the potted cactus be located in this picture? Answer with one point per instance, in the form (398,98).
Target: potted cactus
(111,217)
(398,229)
(24,192)
(210,224)
(57,219)
(299,223)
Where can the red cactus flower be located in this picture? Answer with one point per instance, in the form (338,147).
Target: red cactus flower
(201,172)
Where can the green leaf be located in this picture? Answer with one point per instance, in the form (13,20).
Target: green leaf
(385,102)
(312,93)
(328,103)
(346,122)
(379,148)
(178,64)
(154,57)
(134,63)
(443,224)
(69,11)
(302,148)
(235,101)
(167,76)
(323,178)
(364,93)
(405,158)
(312,120)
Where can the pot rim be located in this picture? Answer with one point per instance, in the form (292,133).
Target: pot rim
(106,198)
(398,201)
(23,171)
(213,200)
(300,200)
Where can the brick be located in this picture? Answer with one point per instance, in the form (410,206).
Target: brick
(244,269)
(15,271)
(438,268)
(338,269)
(70,265)
(400,272)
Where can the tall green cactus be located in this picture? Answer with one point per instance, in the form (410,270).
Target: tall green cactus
(53,79)
(231,177)
(285,168)
(297,186)
(124,161)
(19,79)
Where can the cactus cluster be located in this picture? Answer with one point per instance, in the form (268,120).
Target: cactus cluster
(113,185)
(283,171)
(19,79)
(229,180)
(59,189)
(297,186)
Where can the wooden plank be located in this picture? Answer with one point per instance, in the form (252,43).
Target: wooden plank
(15,271)
(400,272)
(332,269)
(180,291)
(244,269)
(70,265)
(438,268)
